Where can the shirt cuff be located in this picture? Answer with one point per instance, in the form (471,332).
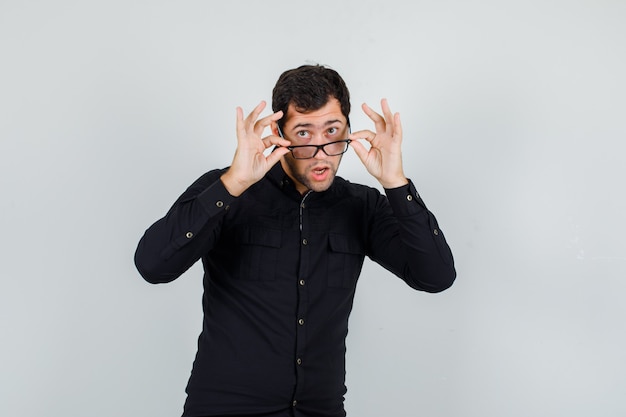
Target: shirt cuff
(405,200)
(215,198)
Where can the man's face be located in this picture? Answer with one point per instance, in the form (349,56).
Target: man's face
(318,127)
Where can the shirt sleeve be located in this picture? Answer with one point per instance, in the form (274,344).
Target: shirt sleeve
(189,229)
(407,240)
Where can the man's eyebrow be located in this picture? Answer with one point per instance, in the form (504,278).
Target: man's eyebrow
(308,125)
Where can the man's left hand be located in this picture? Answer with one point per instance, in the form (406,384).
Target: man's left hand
(383,159)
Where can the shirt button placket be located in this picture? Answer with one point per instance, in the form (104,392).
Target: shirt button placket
(302,288)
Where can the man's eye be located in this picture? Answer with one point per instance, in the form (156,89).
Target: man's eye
(332,130)
(302,134)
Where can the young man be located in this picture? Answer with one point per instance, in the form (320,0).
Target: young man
(282,240)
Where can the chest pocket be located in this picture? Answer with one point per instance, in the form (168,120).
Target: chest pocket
(258,253)
(345,260)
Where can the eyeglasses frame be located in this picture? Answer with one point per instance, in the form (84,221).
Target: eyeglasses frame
(318,147)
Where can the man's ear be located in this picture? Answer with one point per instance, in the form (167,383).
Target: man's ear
(274,127)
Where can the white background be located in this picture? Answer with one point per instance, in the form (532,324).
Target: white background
(514,121)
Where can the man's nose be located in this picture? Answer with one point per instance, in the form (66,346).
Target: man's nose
(320,154)
(320,139)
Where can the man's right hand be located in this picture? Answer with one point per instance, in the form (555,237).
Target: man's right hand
(250,163)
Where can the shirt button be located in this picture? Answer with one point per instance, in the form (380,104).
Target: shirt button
(436,232)
(305,242)
(409,197)
(189,235)
(302,205)
(301,322)
(301,282)
(299,361)
(220,204)
(294,403)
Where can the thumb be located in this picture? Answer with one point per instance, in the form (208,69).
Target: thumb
(360,150)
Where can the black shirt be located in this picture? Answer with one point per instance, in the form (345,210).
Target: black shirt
(280,275)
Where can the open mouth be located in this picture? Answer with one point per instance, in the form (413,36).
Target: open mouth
(320,173)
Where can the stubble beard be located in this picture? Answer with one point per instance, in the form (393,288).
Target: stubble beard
(301,175)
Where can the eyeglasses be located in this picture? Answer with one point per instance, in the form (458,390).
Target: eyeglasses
(309,151)
(338,147)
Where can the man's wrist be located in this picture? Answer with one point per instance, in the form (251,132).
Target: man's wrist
(395,183)
(234,187)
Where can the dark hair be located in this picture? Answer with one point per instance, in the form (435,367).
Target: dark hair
(308,88)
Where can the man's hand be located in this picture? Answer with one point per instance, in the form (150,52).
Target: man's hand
(250,163)
(383,160)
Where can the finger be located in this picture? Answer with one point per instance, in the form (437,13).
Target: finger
(397,125)
(360,150)
(275,156)
(368,135)
(254,115)
(240,128)
(379,121)
(261,124)
(275,140)
(384,104)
